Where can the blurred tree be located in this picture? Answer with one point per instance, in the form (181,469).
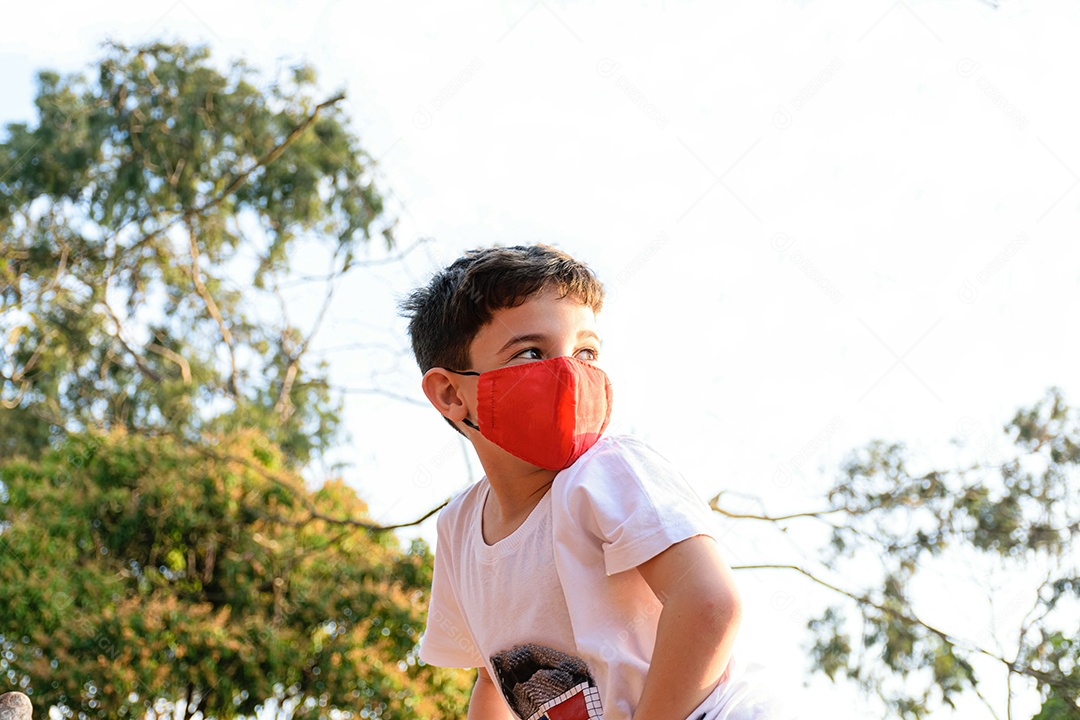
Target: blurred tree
(157,398)
(143,577)
(1012,514)
(147,224)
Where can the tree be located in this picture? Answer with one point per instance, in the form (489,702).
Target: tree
(1013,509)
(147,223)
(144,575)
(157,400)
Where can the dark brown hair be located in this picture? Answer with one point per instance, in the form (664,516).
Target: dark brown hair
(447,313)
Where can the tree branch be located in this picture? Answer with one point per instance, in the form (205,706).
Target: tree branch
(986,701)
(232,187)
(212,307)
(139,361)
(185,368)
(60,266)
(273,154)
(12,404)
(818,515)
(19,374)
(358,264)
(284,406)
(313,512)
(350,522)
(1013,666)
(714,504)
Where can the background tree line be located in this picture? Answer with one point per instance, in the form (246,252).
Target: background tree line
(159,550)
(158,547)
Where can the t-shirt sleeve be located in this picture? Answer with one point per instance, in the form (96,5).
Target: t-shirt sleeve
(636,503)
(447,641)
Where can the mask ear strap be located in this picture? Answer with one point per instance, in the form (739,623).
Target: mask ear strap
(465,372)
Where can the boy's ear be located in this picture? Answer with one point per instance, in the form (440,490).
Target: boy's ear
(441,390)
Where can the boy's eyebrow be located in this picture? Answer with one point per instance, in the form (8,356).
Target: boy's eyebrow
(589,333)
(540,337)
(531,337)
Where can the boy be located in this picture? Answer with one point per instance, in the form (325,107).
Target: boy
(579,575)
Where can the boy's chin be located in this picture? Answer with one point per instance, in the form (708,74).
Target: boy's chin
(493,456)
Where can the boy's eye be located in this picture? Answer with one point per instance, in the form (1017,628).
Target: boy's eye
(530,354)
(588,355)
(585,354)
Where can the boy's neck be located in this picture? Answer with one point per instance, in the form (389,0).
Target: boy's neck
(515,491)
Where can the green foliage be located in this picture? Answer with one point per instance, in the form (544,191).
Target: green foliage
(1058,655)
(1017,506)
(1056,708)
(146,222)
(141,572)
(159,550)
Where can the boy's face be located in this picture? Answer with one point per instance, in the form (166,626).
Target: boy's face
(544,326)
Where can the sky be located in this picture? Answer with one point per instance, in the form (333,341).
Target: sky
(819,222)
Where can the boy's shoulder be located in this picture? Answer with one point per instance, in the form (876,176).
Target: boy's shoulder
(618,444)
(628,502)
(461,508)
(616,456)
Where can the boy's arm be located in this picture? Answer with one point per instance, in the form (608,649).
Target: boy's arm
(696,630)
(486,703)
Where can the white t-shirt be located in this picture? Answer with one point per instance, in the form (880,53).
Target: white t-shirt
(562,578)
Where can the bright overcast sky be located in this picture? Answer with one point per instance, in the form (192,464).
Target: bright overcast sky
(819,222)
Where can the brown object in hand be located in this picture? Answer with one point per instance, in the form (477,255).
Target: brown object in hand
(532,675)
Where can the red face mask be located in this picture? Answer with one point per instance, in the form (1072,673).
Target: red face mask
(548,412)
